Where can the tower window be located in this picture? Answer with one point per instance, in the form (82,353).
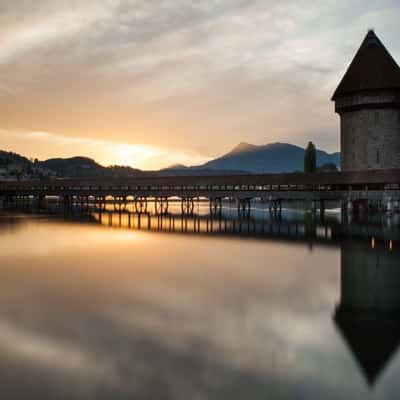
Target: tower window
(376,117)
(377,157)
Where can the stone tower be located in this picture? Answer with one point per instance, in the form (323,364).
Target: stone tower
(368,102)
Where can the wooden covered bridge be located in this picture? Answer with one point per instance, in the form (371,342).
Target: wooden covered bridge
(379,189)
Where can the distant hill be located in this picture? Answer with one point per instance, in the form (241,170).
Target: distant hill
(8,158)
(123,171)
(86,167)
(269,158)
(74,167)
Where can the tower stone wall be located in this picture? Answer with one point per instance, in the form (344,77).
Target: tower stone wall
(370,139)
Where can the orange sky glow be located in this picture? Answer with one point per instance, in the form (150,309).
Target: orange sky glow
(150,84)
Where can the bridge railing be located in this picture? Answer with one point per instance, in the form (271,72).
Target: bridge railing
(328,181)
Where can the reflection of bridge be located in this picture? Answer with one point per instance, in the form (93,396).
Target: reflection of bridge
(379,188)
(306,227)
(300,229)
(288,225)
(219,224)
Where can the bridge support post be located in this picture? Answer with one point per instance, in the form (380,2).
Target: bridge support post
(141,204)
(275,207)
(244,207)
(270,203)
(350,206)
(119,203)
(314,208)
(322,210)
(389,206)
(6,200)
(161,205)
(359,207)
(215,205)
(41,202)
(344,210)
(9,200)
(67,202)
(187,205)
(85,201)
(100,203)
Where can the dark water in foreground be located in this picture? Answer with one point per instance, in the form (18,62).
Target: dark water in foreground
(298,309)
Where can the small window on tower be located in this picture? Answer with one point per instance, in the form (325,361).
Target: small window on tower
(377,157)
(376,117)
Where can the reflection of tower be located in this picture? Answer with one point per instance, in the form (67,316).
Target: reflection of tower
(368,315)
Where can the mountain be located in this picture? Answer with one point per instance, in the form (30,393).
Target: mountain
(74,167)
(194,171)
(269,158)
(243,147)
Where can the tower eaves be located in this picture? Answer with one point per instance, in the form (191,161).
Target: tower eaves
(372,68)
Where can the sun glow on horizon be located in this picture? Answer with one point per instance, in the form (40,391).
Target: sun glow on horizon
(45,145)
(128,154)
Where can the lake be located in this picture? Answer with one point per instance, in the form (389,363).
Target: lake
(102,305)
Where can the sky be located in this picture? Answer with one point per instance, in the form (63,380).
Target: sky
(150,83)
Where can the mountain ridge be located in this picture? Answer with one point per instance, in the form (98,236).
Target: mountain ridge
(243,158)
(269,158)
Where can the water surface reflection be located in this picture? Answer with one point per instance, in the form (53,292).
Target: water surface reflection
(92,312)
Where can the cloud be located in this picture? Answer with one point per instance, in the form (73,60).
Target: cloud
(182,75)
(52,353)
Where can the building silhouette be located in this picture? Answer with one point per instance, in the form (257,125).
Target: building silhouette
(368,102)
(368,315)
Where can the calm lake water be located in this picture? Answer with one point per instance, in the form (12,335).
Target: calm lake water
(92,307)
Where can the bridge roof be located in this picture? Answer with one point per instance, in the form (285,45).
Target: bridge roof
(372,68)
(366,177)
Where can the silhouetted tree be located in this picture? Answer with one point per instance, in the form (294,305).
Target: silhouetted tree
(310,158)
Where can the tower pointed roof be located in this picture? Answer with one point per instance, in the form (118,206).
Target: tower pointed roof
(373,343)
(372,68)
